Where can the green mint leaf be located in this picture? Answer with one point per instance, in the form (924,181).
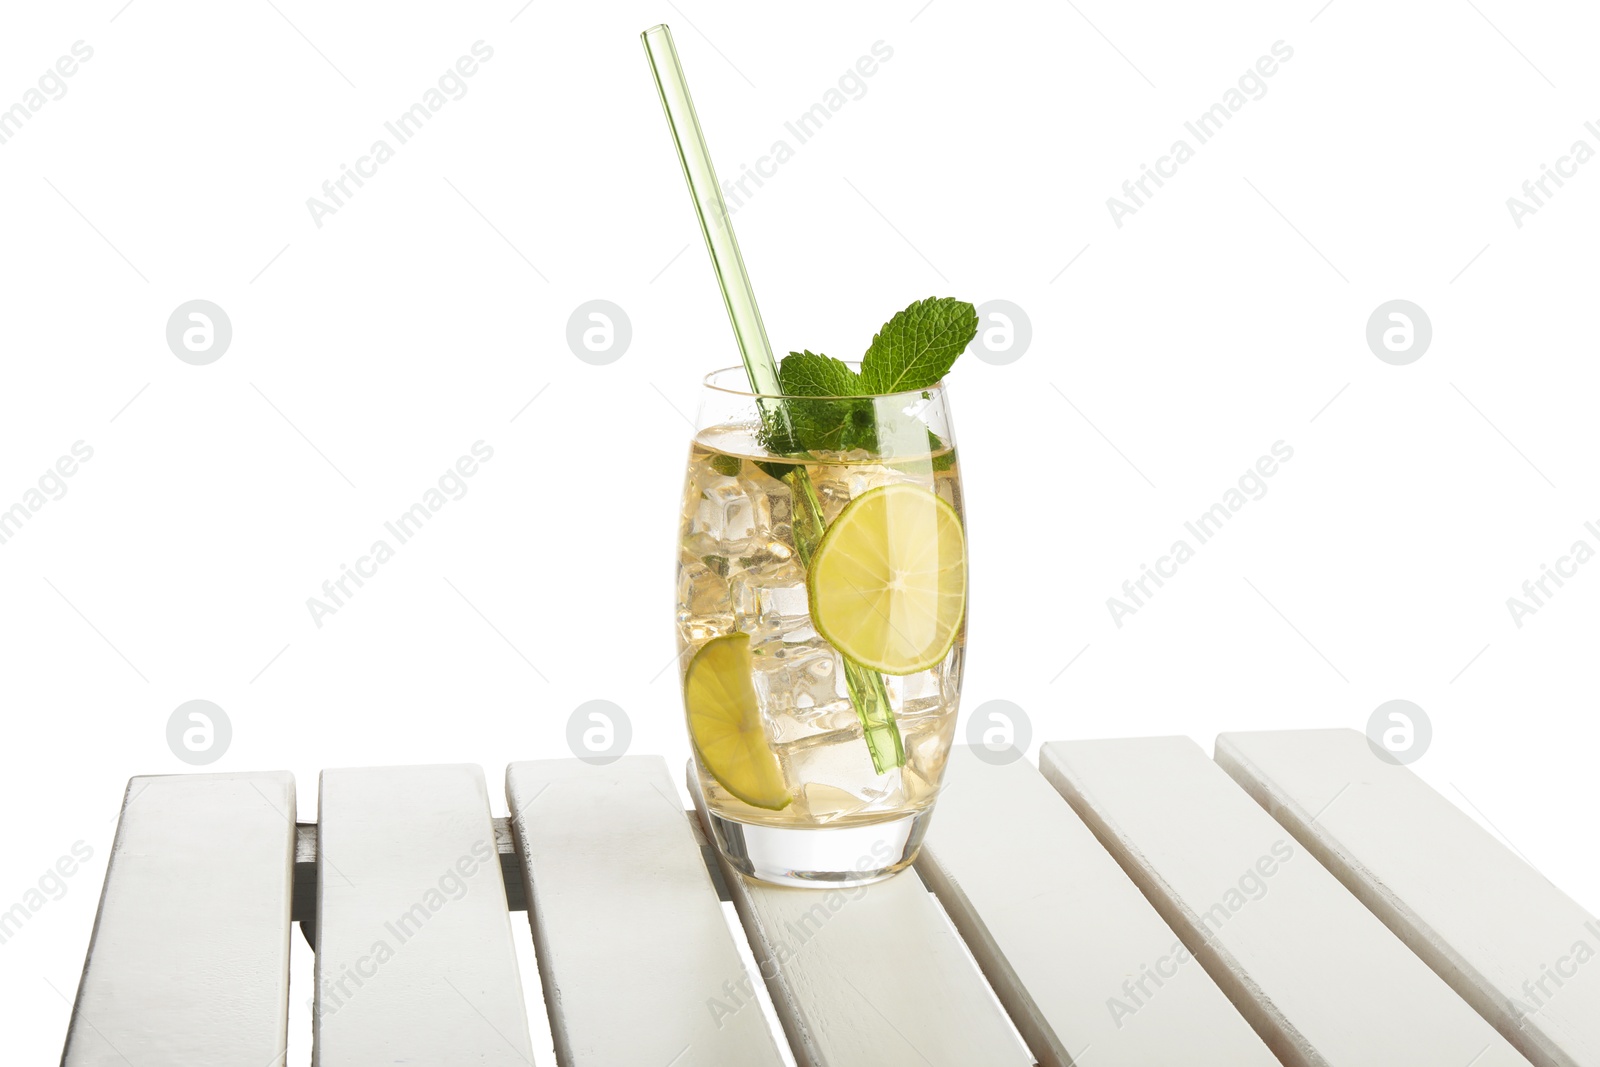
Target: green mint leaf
(810,374)
(917,347)
(826,409)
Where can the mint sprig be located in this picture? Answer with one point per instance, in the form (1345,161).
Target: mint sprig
(830,407)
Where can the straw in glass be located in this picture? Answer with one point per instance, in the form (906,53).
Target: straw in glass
(868,693)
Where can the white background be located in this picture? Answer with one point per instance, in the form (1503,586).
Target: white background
(368,354)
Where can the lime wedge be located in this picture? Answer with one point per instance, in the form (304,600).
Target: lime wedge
(725,723)
(888,583)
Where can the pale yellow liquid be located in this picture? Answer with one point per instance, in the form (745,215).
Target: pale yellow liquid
(738,570)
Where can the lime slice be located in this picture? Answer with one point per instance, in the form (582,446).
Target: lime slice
(725,723)
(888,583)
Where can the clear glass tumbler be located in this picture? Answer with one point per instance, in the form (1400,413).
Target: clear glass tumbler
(821,601)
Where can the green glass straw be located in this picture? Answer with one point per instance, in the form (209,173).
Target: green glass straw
(709,206)
(867,690)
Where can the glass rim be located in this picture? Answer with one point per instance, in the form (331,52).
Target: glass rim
(709,382)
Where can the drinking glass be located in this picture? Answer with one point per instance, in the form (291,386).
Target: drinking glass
(821,619)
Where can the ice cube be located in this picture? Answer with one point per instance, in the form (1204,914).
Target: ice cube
(770,600)
(785,604)
(926,738)
(705,605)
(780,504)
(837,778)
(918,691)
(800,690)
(833,494)
(770,562)
(825,803)
(731,514)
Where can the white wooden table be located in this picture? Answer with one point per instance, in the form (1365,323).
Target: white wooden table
(1297,901)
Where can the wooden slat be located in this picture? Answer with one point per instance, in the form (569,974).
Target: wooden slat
(1066,939)
(1499,932)
(871,976)
(189,962)
(1318,976)
(305,872)
(415,962)
(637,961)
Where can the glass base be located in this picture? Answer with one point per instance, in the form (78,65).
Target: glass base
(824,857)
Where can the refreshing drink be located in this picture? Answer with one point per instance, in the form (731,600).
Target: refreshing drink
(822,572)
(821,620)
